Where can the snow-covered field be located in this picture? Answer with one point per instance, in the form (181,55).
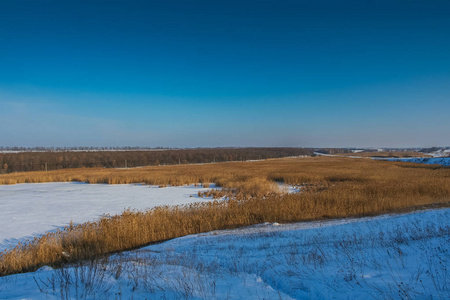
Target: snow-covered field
(444,161)
(27,210)
(387,257)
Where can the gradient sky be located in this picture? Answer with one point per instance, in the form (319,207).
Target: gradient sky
(361,73)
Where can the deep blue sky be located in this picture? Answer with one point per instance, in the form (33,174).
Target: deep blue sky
(225,73)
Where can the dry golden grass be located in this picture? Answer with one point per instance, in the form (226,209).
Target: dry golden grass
(335,187)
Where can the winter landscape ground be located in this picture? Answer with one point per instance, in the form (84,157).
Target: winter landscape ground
(387,257)
(395,255)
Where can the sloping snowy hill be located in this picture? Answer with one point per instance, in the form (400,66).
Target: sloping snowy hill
(386,257)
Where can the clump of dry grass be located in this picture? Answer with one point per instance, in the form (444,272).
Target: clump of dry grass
(333,188)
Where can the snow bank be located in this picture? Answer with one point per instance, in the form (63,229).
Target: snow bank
(440,153)
(387,257)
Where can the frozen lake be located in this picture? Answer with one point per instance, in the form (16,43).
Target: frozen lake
(31,209)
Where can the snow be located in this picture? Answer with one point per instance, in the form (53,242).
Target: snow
(440,153)
(386,257)
(444,161)
(31,209)
(288,188)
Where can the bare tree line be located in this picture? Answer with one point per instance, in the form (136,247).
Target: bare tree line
(55,160)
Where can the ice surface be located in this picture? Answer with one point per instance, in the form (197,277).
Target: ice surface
(30,209)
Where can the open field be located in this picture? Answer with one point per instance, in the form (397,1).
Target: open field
(332,187)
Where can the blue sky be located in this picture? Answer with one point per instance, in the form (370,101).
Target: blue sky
(225,73)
